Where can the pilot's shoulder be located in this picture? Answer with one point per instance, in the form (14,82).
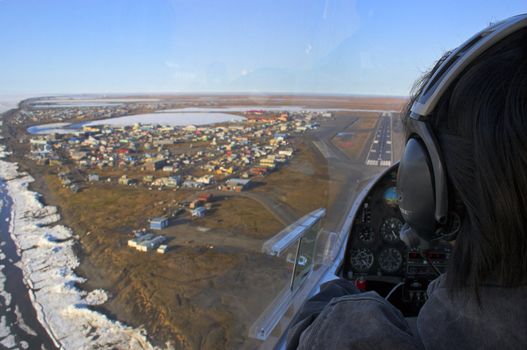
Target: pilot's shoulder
(438,283)
(359,321)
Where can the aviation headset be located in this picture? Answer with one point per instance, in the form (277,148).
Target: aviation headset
(421,179)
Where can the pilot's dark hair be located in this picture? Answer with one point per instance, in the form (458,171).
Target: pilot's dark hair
(481,125)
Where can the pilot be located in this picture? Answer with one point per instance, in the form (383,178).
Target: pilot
(462,178)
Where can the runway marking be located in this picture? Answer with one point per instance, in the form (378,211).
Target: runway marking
(380,153)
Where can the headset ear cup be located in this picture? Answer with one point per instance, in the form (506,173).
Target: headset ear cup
(415,187)
(456,217)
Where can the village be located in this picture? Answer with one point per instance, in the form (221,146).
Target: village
(170,219)
(199,160)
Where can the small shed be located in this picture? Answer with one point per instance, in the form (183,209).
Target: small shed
(158,223)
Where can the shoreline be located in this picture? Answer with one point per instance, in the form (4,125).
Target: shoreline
(19,322)
(48,261)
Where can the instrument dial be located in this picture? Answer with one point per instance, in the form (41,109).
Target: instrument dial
(361,259)
(390,260)
(366,234)
(390,229)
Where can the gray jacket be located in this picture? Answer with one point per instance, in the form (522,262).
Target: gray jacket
(360,321)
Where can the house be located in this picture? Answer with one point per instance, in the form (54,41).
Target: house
(205,179)
(158,223)
(236,185)
(258,171)
(151,244)
(171,181)
(40,146)
(140,238)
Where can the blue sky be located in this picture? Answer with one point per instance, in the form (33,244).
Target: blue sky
(326,46)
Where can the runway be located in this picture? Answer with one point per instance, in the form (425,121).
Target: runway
(380,153)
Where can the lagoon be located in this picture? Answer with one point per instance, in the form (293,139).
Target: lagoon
(171,119)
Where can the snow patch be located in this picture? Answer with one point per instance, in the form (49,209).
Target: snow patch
(96,297)
(9,341)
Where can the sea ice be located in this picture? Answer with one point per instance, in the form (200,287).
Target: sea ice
(9,341)
(48,269)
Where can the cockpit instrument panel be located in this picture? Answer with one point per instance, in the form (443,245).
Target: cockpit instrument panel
(377,257)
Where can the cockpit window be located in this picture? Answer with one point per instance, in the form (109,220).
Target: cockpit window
(185,173)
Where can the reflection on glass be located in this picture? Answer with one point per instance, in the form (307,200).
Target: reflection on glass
(304,256)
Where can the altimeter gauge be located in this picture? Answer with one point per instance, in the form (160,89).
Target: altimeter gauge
(390,229)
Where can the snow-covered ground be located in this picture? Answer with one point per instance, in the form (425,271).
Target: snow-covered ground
(48,262)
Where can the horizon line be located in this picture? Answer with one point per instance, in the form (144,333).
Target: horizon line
(204,93)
